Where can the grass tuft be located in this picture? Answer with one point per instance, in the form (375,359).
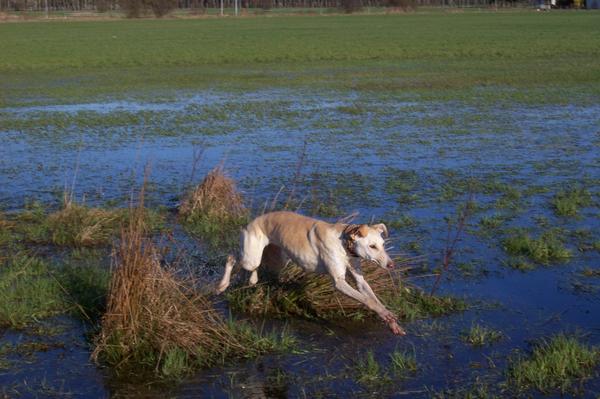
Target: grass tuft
(368,370)
(403,362)
(568,202)
(560,363)
(546,249)
(479,335)
(156,322)
(214,211)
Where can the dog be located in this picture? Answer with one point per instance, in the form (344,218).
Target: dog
(318,247)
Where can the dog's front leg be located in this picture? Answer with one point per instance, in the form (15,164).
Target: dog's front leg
(361,283)
(366,290)
(342,285)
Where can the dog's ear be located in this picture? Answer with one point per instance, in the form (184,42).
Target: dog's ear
(359,230)
(363,230)
(382,229)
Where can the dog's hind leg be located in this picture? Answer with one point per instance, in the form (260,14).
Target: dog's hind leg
(253,244)
(227,275)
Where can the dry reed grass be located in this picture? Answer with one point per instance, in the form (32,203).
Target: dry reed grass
(216,196)
(152,312)
(214,211)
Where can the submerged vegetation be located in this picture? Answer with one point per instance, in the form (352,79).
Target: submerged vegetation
(561,363)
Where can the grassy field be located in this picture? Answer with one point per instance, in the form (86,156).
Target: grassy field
(430,54)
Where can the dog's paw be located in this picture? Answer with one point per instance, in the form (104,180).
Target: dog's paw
(389,318)
(396,329)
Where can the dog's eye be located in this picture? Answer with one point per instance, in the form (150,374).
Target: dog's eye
(373,246)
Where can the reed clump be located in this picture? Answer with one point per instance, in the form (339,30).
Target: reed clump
(296,293)
(156,321)
(214,210)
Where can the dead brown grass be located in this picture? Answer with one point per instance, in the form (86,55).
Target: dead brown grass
(297,293)
(151,311)
(216,196)
(214,212)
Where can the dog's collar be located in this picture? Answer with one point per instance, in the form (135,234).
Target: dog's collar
(348,242)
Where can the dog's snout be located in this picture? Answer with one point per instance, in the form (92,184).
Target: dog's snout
(391,264)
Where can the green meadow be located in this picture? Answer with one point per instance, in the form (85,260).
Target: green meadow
(550,57)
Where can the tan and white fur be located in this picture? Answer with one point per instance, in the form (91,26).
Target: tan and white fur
(276,238)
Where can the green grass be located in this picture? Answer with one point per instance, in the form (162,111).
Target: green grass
(479,335)
(369,371)
(403,362)
(567,202)
(560,363)
(76,226)
(546,249)
(492,222)
(219,234)
(33,289)
(466,55)
(175,363)
(28,292)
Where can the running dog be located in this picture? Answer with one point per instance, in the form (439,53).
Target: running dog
(317,247)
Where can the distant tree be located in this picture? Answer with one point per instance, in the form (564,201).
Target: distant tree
(265,4)
(160,8)
(132,8)
(404,5)
(350,6)
(135,8)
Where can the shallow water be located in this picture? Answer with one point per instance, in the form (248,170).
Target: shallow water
(357,146)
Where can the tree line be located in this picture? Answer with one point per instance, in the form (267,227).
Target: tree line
(137,8)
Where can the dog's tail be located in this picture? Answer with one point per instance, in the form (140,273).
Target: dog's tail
(229,266)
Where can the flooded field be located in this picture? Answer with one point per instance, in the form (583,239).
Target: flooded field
(474,127)
(527,265)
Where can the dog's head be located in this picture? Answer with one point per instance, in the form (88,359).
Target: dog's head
(367,242)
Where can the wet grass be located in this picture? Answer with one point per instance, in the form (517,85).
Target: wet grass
(33,289)
(295,293)
(110,58)
(567,203)
(479,335)
(74,225)
(28,292)
(561,363)
(403,362)
(369,371)
(546,249)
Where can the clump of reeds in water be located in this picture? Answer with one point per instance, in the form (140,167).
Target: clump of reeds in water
(295,292)
(214,210)
(155,320)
